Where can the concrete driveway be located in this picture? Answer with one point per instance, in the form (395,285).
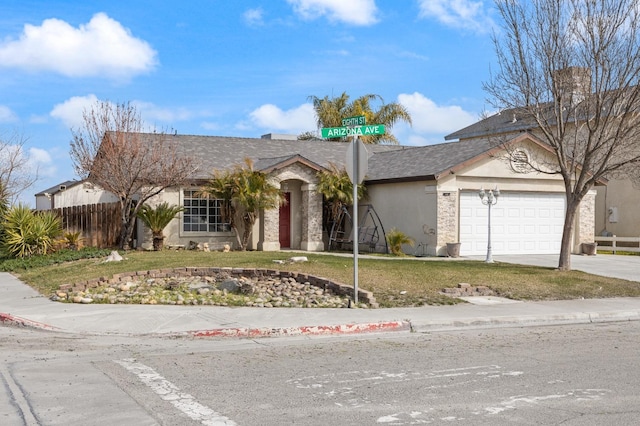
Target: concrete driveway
(607,265)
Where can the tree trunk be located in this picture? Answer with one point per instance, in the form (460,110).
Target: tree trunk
(128,220)
(158,240)
(564,263)
(246,234)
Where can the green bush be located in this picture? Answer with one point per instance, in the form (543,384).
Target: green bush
(396,239)
(27,233)
(62,256)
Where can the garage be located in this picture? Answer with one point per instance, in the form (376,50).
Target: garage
(521,223)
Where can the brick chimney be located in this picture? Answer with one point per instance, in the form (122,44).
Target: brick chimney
(574,83)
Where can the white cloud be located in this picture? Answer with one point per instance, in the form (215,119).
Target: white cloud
(254,17)
(429,118)
(102,47)
(295,120)
(71,110)
(152,113)
(465,14)
(355,12)
(41,160)
(6,115)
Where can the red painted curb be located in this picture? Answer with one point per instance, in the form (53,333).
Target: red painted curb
(316,330)
(22,322)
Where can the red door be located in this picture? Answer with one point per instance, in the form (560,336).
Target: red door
(285,222)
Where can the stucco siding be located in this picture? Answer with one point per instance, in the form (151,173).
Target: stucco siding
(623,199)
(409,207)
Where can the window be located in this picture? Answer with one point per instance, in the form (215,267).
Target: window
(202,214)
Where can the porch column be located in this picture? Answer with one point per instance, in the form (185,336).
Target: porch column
(447,227)
(585,229)
(311,219)
(270,231)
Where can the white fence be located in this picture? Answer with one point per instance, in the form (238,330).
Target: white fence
(631,244)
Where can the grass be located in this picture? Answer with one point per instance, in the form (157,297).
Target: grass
(393,281)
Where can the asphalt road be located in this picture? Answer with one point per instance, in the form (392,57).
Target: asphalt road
(569,375)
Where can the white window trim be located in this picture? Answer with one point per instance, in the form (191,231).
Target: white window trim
(184,233)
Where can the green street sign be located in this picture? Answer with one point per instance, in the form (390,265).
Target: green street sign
(339,132)
(358,120)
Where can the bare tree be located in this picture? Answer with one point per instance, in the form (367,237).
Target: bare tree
(571,69)
(16,171)
(112,152)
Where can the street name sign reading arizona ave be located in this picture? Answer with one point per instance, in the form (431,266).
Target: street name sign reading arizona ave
(338,132)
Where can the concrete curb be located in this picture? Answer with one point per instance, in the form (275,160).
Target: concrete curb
(526,321)
(317,330)
(23,322)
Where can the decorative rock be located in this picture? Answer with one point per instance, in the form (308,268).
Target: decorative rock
(114,256)
(233,288)
(230,285)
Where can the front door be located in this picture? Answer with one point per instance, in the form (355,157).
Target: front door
(285,222)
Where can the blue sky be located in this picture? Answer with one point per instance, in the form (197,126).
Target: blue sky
(235,67)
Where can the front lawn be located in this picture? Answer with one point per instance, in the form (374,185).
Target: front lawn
(393,281)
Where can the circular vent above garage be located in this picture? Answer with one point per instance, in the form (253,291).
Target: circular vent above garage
(520,162)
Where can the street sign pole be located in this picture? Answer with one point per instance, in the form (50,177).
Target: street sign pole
(356,164)
(355,220)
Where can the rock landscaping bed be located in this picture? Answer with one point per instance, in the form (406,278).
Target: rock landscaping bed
(215,286)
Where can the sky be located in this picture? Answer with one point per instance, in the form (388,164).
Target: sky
(235,67)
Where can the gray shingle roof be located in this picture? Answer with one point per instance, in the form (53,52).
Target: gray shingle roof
(425,162)
(218,153)
(386,162)
(57,188)
(507,121)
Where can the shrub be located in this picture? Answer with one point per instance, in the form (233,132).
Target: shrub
(27,233)
(62,256)
(396,239)
(156,219)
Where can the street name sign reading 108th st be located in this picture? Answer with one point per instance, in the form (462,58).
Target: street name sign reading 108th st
(338,132)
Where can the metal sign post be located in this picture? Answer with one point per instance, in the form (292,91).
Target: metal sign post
(355,219)
(356,164)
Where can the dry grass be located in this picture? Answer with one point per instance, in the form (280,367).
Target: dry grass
(419,281)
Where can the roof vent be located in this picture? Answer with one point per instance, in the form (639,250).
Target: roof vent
(62,187)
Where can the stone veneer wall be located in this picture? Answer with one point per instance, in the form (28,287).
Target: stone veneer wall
(311,238)
(311,219)
(447,228)
(364,296)
(587,219)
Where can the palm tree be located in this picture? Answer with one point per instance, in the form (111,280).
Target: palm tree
(331,111)
(245,191)
(156,219)
(336,187)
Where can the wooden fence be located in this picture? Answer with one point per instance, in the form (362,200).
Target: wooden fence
(99,224)
(613,243)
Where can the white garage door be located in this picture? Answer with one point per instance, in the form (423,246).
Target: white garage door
(521,223)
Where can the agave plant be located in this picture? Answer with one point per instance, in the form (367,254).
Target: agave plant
(157,218)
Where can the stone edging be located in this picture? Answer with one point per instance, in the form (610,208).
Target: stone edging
(337,288)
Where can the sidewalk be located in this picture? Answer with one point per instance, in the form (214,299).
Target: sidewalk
(21,305)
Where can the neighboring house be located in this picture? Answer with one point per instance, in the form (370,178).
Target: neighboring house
(72,193)
(430,193)
(617,211)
